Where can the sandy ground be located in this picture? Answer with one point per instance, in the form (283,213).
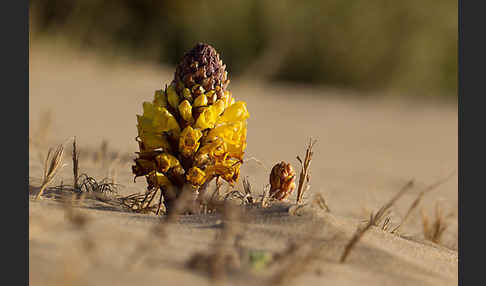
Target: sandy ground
(367,149)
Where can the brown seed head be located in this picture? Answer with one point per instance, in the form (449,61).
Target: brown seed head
(282,181)
(202,66)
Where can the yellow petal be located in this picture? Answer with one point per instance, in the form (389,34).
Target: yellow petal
(211,151)
(164,121)
(227,99)
(207,118)
(185,110)
(144,124)
(201,100)
(165,162)
(152,141)
(148,110)
(160,99)
(158,179)
(229,170)
(211,96)
(189,141)
(233,135)
(186,93)
(235,112)
(210,115)
(219,106)
(172,96)
(196,176)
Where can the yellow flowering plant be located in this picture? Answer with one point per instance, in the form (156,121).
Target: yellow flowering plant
(193,130)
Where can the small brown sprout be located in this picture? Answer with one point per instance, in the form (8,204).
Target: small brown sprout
(282,181)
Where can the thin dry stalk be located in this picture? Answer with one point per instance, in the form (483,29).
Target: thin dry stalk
(51,167)
(265,196)
(373,221)
(75,166)
(247,188)
(417,201)
(304,176)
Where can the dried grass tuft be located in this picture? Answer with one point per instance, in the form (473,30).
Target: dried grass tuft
(52,165)
(434,228)
(91,185)
(304,176)
(140,203)
(245,197)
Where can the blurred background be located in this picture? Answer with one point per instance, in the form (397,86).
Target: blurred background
(400,47)
(373,81)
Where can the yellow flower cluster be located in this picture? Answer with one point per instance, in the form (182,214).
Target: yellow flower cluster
(190,138)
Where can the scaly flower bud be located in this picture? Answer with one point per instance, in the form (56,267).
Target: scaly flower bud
(282,181)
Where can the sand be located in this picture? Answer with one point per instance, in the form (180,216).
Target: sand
(367,148)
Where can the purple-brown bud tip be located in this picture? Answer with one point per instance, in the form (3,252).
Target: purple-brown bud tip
(202,66)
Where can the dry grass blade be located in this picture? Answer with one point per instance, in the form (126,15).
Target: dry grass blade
(75,166)
(386,224)
(417,201)
(265,196)
(304,176)
(374,220)
(247,188)
(51,167)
